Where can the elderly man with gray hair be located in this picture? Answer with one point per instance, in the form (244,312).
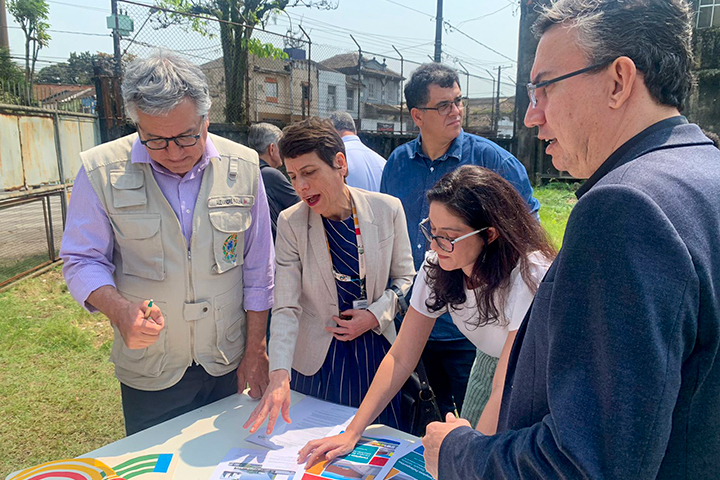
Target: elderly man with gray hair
(263,138)
(365,167)
(178,215)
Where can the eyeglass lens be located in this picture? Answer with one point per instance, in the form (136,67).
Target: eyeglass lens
(442,242)
(446,108)
(162,143)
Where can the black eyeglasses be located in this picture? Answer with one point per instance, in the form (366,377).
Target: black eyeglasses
(532,87)
(445,243)
(444,108)
(161,143)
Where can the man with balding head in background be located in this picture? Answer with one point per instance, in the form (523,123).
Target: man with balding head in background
(263,138)
(365,167)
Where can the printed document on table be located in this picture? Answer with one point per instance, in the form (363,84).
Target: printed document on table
(409,465)
(243,464)
(371,459)
(311,419)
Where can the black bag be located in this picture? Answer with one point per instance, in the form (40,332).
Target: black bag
(418,403)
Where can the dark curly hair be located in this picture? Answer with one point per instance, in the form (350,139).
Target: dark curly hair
(484,199)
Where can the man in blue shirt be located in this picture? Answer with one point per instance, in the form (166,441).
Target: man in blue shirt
(436,105)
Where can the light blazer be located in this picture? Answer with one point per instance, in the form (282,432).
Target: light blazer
(305,293)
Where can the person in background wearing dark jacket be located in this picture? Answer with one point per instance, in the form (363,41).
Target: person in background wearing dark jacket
(615,370)
(263,138)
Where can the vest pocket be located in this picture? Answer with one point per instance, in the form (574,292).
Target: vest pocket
(141,250)
(230,324)
(128,189)
(229,223)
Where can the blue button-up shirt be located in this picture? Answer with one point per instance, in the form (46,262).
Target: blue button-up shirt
(409,174)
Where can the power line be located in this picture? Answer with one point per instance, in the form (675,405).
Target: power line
(454,28)
(486,15)
(84,7)
(67,31)
(410,8)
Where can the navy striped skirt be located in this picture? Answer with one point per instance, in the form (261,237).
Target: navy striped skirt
(346,374)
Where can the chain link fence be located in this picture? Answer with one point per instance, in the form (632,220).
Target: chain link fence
(30,233)
(259,76)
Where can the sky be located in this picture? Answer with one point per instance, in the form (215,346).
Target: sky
(479,35)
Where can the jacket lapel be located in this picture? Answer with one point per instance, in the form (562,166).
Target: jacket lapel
(369,233)
(318,243)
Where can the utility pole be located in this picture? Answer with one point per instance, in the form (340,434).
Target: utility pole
(438,31)
(4,43)
(492,100)
(116,38)
(497,100)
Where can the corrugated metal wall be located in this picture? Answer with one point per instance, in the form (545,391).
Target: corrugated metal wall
(39,159)
(29,152)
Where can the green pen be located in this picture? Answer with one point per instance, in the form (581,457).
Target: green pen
(149,307)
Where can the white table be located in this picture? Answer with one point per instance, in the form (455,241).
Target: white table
(201,438)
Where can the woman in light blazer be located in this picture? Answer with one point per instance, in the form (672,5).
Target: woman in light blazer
(342,258)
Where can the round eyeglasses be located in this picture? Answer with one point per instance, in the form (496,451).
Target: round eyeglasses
(446,244)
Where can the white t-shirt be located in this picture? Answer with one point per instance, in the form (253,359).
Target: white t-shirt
(489,338)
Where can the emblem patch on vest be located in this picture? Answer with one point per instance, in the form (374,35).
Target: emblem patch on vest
(230,248)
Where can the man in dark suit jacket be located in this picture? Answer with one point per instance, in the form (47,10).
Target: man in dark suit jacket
(615,372)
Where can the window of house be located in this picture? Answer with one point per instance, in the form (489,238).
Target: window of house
(306,93)
(708,14)
(371,90)
(350,99)
(271,90)
(331,97)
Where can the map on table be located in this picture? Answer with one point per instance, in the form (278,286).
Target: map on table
(149,467)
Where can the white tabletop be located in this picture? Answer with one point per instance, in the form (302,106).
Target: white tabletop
(201,438)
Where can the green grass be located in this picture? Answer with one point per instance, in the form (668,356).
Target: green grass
(59,397)
(556,201)
(10,268)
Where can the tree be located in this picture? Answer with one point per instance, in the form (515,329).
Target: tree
(9,71)
(78,70)
(236,37)
(11,78)
(32,15)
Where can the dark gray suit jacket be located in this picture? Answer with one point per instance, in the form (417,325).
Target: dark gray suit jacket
(615,372)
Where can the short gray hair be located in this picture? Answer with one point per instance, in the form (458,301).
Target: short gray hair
(261,135)
(157,84)
(655,34)
(343,121)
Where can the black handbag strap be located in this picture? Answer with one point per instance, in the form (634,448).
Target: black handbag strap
(422,376)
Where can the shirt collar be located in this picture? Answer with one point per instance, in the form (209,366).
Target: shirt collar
(614,159)
(139,154)
(350,138)
(454,150)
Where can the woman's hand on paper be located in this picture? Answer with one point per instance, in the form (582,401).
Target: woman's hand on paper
(276,400)
(360,322)
(327,448)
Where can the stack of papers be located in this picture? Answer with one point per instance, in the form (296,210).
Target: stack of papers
(373,458)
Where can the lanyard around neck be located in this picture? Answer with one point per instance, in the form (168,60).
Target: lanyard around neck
(361,256)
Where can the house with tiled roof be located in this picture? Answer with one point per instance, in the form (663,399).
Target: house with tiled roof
(371,90)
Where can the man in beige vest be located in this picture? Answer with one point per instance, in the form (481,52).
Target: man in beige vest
(178,215)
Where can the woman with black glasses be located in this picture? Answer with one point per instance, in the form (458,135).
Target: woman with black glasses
(488,254)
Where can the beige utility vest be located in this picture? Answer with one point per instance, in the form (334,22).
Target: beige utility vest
(200,289)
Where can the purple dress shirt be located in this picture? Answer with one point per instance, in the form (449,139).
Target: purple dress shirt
(87,244)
